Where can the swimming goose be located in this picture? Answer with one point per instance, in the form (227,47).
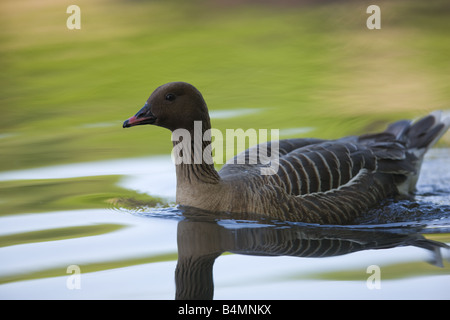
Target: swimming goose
(316,181)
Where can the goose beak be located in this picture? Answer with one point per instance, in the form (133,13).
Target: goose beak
(144,116)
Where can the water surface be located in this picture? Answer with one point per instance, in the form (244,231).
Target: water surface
(129,250)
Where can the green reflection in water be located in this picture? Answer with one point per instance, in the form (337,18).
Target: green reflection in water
(26,196)
(90,267)
(57,234)
(394,271)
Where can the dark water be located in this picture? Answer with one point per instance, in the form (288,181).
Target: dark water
(399,250)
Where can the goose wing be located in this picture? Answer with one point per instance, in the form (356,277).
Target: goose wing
(304,166)
(256,156)
(325,166)
(333,182)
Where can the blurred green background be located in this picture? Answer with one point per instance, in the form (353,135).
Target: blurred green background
(314,64)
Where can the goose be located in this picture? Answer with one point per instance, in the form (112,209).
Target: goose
(317,181)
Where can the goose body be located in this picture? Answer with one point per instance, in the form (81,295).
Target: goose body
(317,181)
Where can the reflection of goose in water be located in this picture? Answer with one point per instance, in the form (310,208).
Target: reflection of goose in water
(202,241)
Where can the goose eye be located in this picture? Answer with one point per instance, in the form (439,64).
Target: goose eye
(170,97)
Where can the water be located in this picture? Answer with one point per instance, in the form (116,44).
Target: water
(132,252)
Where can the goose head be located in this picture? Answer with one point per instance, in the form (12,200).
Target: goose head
(175,105)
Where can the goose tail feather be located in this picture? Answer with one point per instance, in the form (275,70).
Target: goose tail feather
(417,137)
(401,147)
